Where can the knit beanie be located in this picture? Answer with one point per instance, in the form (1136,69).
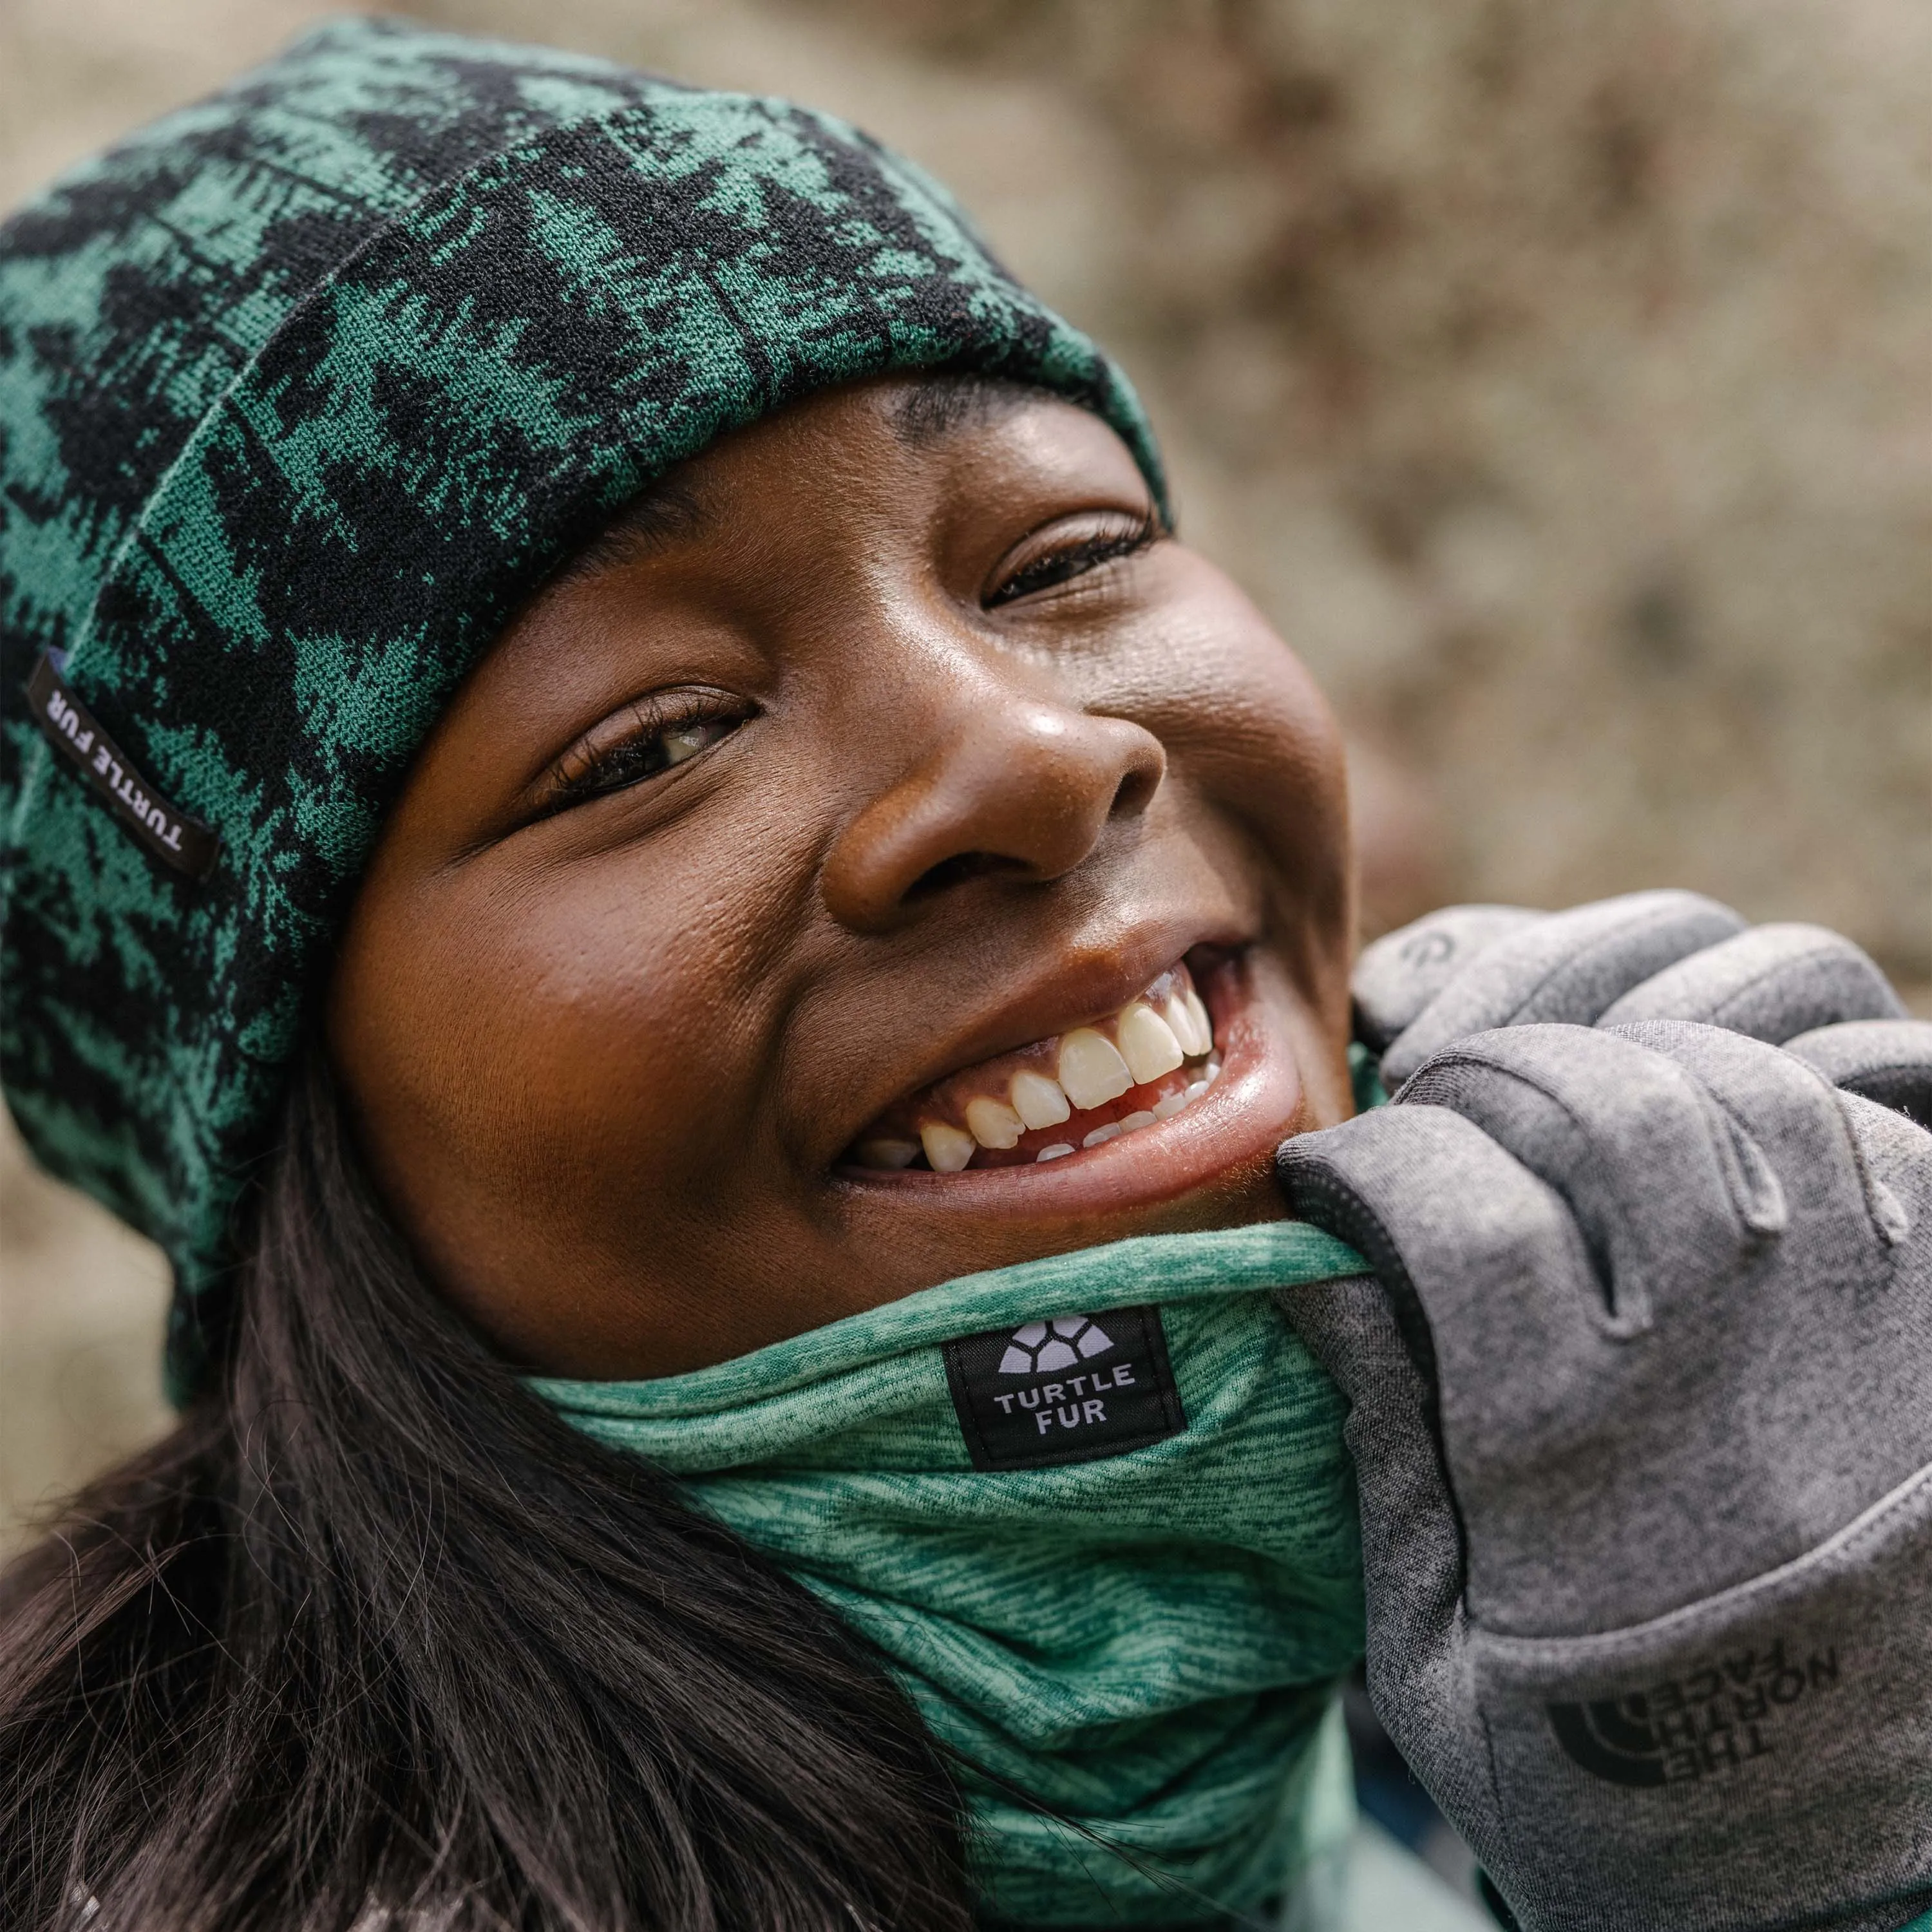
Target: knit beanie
(301,390)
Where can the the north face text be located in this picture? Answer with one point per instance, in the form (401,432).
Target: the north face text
(1712,1721)
(1071,1390)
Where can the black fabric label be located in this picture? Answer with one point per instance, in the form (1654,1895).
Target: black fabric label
(184,844)
(1071,1390)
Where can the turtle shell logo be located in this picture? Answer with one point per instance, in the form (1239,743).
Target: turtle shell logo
(1039,1348)
(1070,1390)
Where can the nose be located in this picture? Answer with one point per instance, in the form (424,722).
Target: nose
(1014,784)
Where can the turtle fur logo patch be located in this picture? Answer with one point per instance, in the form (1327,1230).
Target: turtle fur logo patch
(1072,1390)
(182,843)
(1707,1723)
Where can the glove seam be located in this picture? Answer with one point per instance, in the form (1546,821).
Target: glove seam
(1772,969)
(1620,1316)
(1866,1524)
(1617,939)
(1847,1126)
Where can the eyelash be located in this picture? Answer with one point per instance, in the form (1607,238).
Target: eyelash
(648,751)
(1067,561)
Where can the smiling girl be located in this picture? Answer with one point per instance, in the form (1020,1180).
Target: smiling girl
(685,857)
(882,798)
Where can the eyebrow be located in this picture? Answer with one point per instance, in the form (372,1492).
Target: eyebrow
(669,510)
(660,515)
(937,407)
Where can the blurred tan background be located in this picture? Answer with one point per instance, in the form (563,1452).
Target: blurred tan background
(1558,373)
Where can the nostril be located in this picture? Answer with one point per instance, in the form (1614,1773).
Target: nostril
(961,867)
(1134,793)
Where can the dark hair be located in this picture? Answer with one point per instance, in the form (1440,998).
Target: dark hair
(374,1638)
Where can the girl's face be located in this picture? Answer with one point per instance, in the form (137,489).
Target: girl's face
(863,806)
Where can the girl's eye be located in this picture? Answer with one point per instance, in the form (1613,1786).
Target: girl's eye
(653,740)
(1118,535)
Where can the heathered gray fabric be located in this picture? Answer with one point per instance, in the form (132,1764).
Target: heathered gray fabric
(1790,1718)
(1402,971)
(1889,1061)
(1566,966)
(1773,982)
(1642,1390)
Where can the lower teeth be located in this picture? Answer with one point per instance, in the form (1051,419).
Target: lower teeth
(1161,1110)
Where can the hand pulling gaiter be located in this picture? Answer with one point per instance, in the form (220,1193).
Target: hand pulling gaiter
(1096,1512)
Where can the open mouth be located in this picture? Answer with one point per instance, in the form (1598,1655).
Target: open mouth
(1153,1059)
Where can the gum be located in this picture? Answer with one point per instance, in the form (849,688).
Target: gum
(1083,1120)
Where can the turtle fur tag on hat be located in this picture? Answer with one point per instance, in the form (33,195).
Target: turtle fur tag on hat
(1071,1390)
(184,844)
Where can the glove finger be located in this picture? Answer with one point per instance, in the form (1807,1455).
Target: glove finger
(1802,1124)
(1762,1307)
(1564,969)
(1403,970)
(1847,1283)
(1667,1189)
(1772,982)
(1889,1061)
(1491,1293)
(1461,1236)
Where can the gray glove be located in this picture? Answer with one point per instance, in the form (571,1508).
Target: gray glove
(1641,1415)
(1660,955)
(1883,1060)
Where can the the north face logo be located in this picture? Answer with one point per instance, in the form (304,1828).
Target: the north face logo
(1070,1389)
(1063,1343)
(1708,1722)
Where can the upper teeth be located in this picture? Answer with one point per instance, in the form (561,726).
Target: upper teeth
(1038,1100)
(893,1152)
(994,1124)
(945,1147)
(1153,1036)
(1189,1019)
(1150,1045)
(1091,1069)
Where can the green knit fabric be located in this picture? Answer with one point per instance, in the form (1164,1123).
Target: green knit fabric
(1146,1644)
(301,389)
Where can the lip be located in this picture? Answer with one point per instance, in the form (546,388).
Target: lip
(1241,1120)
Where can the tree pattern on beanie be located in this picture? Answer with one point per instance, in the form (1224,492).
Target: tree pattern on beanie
(301,390)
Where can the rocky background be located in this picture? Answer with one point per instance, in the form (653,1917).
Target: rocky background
(1557,373)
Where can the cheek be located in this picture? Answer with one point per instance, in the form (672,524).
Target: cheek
(564,1048)
(1250,734)
(1257,754)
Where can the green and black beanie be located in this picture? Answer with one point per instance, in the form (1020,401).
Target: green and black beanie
(301,390)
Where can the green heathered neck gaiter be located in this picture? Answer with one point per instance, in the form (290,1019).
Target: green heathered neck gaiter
(1096,1512)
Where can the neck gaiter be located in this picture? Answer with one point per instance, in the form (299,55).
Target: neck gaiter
(1095,1512)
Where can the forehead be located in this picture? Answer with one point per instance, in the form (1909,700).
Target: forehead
(921,414)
